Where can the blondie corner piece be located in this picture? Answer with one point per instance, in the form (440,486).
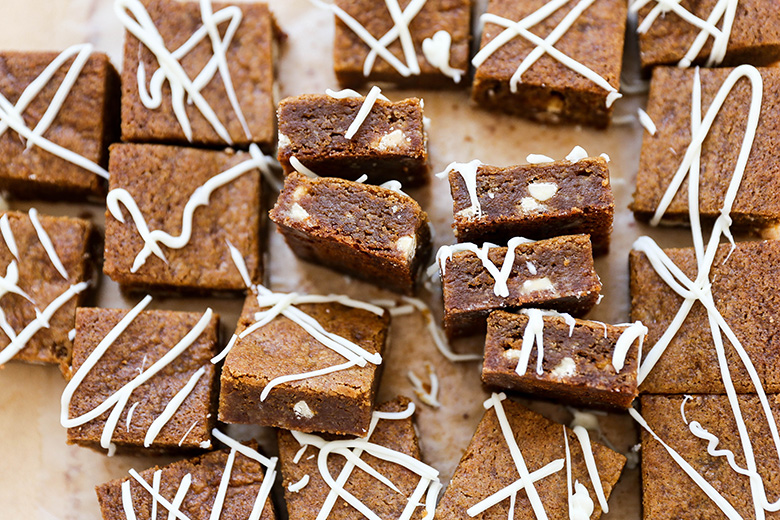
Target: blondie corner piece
(549,89)
(391,143)
(163,188)
(754,37)
(449,19)
(336,401)
(510,437)
(198,482)
(534,201)
(743,287)
(72,165)
(374,233)
(187,378)
(306,492)
(556,274)
(48,266)
(581,362)
(212,118)
(757,204)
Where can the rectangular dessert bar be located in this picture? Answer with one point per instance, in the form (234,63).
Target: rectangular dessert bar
(250,58)
(149,337)
(334,401)
(43,284)
(370,232)
(306,491)
(85,123)
(534,201)
(549,90)
(487,475)
(754,36)
(756,205)
(744,292)
(668,492)
(556,274)
(581,362)
(350,51)
(162,188)
(389,145)
(244,492)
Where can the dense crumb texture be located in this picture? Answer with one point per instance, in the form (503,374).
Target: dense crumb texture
(250,60)
(39,279)
(86,123)
(668,492)
(366,231)
(161,180)
(754,36)
(397,435)
(536,201)
(340,402)
(549,91)
(389,145)
(576,362)
(564,280)
(487,467)
(757,203)
(147,339)
(742,287)
(206,471)
(350,51)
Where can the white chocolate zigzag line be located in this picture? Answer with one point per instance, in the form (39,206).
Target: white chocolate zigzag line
(526,481)
(200,197)
(118,400)
(40,322)
(390,36)
(352,449)
(430,397)
(512,29)
(142,27)
(285,304)
(501,276)
(724,10)
(184,485)
(11,115)
(700,289)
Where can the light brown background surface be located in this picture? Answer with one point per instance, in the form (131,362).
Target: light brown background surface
(41,477)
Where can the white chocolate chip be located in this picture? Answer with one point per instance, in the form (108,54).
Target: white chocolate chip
(283,141)
(302,410)
(542,191)
(407,245)
(528,204)
(538,284)
(566,368)
(298,193)
(395,140)
(512,354)
(297,213)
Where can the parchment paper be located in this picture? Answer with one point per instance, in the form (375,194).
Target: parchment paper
(42,477)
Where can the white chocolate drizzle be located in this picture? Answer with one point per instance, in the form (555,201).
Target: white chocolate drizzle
(526,480)
(468,171)
(513,29)
(11,115)
(351,449)
(8,236)
(299,485)
(723,12)
(436,50)
(134,17)
(349,93)
(299,167)
(537,158)
(186,434)
(590,463)
(500,275)
(633,332)
(700,289)
(580,503)
(47,244)
(365,108)
(200,197)
(285,304)
(534,333)
(646,122)
(118,400)
(215,512)
(430,396)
